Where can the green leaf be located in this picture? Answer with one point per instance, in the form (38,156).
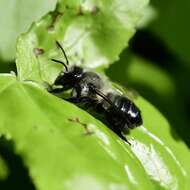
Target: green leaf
(163,156)
(172,26)
(154,84)
(60,154)
(93,33)
(16,17)
(57,151)
(64,147)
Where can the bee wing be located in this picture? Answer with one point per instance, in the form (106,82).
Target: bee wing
(128,92)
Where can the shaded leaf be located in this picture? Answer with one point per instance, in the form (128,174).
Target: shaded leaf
(171,26)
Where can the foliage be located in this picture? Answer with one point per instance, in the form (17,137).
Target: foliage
(56,144)
(19,15)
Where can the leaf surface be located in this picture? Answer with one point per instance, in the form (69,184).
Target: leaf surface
(56,149)
(59,154)
(15,18)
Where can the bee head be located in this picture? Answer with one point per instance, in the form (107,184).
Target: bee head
(69,78)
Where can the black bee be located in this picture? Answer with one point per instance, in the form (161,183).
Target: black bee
(81,82)
(88,89)
(120,112)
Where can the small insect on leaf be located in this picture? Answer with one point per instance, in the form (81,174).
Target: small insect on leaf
(88,88)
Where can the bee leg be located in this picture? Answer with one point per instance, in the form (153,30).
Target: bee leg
(125,139)
(49,87)
(98,107)
(75,96)
(120,134)
(73,100)
(88,103)
(56,90)
(82,100)
(117,129)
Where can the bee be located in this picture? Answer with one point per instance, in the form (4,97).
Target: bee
(89,89)
(79,81)
(120,113)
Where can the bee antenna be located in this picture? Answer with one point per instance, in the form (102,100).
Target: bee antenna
(63,51)
(57,61)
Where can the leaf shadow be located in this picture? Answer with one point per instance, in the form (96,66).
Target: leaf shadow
(18,175)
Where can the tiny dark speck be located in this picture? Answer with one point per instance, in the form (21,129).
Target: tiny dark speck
(95,10)
(80,12)
(38,51)
(35,127)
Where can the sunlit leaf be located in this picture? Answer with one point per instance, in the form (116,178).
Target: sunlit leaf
(15,18)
